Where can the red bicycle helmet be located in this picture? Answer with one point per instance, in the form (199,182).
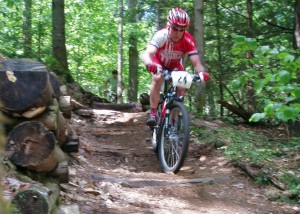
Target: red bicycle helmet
(178,18)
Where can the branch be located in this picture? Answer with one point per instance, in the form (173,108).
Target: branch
(231,94)
(288,30)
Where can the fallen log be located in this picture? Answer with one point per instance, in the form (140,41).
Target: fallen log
(37,199)
(62,131)
(72,144)
(84,112)
(61,128)
(31,145)
(117,107)
(24,86)
(65,106)
(76,105)
(51,118)
(55,83)
(61,172)
(145,101)
(236,110)
(256,173)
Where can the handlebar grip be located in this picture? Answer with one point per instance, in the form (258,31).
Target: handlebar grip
(166,74)
(159,69)
(196,78)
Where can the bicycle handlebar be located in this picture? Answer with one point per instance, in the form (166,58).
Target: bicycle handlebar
(167,75)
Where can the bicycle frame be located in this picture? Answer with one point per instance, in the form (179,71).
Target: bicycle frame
(168,97)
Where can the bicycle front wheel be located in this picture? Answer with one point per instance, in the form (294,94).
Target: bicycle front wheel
(174,138)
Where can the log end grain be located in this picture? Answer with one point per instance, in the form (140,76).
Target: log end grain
(30,145)
(31,201)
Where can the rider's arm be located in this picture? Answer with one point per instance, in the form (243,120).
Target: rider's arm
(148,54)
(198,67)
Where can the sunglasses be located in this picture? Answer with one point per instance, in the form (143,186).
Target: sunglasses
(178,29)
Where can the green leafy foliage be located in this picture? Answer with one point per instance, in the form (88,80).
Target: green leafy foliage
(293,183)
(274,74)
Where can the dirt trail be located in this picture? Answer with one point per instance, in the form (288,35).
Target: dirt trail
(116,171)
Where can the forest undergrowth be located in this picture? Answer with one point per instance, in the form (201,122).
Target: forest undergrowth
(270,156)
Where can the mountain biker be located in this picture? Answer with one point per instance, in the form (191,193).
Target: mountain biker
(165,50)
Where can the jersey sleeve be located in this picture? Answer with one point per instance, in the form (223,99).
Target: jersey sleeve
(159,38)
(191,47)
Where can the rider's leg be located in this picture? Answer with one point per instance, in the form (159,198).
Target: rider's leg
(154,90)
(157,80)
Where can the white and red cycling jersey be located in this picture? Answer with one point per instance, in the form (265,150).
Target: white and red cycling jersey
(169,54)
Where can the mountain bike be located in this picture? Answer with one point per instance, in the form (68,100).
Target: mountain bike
(170,137)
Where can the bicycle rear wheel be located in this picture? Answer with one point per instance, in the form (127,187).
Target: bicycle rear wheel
(174,138)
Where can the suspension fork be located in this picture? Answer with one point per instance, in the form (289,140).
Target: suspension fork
(164,109)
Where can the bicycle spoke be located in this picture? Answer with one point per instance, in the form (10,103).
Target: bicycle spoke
(176,153)
(169,154)
(178,150)
(173,153)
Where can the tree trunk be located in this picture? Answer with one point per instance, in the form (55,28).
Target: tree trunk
(250,86)
(24,86)
(199,37)
(133,54)
(160,19)
(220,59)
(210,98)
(59,39)
(120,53)
(27,29)
(297,24)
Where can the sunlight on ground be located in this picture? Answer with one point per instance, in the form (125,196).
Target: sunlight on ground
(121,117)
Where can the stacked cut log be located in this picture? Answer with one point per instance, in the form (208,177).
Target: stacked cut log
(39,137)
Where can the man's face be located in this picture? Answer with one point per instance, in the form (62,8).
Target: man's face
(176,33)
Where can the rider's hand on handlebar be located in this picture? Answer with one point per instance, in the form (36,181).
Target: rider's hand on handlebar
(204,76)
(152,67)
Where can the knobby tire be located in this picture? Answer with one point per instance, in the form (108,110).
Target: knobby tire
(172,149)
